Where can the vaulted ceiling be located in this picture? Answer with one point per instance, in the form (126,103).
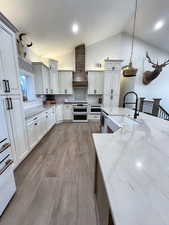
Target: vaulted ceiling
(49,21)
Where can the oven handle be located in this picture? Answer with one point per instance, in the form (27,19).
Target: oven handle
(4,147)
(7,164)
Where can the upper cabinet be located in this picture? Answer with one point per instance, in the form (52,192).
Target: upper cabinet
(54,82)
(9,72)
(95,82)
(65,82)
(42,78)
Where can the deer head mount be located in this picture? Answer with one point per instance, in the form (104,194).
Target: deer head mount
(149,76)
(23,44)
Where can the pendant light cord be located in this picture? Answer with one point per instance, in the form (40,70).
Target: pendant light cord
(134,29)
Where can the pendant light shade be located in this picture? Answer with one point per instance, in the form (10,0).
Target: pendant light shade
(129,70)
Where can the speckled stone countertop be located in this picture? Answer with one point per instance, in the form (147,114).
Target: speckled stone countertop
(134,162)
(29,113)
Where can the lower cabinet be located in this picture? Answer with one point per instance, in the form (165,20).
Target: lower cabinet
(67,112)
(50,118)
(39,125)
(59,113)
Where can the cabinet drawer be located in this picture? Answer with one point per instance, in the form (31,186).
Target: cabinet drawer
(94,117)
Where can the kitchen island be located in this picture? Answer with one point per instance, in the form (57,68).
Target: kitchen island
(132,174)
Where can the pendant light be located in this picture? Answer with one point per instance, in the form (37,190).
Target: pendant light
(129,70)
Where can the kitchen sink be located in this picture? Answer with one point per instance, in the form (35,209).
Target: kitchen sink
(115,122)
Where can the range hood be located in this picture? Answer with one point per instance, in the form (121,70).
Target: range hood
(80,76)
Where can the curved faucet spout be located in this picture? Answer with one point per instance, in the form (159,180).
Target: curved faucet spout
(136,113)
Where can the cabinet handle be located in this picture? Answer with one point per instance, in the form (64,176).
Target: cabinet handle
(95,91)
(7,164)
(7,103)
(65,91)
(4,147)
(51,91)
(11,104)
(5,86)
(46,90)
(8,86)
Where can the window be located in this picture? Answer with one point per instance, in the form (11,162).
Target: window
(27,86)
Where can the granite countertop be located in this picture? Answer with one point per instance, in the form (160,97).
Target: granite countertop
(134,162)
(29,113)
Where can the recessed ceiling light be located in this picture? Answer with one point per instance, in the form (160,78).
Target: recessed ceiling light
(75,28)
(159,25)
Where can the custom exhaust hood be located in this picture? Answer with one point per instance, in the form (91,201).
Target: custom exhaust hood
(80,75)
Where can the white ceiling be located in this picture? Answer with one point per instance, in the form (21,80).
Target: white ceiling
(49,21)
(149,13)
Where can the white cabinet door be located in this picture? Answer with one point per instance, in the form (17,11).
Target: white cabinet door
(41,78)
(9,72)
(45,80)
(54,82)
(32,134)
(111,83)
(65,82)
(67,112)
(99,82)
(59,113)
(18,128)
(50,118)
(91,83)
(95,82)
(41,125)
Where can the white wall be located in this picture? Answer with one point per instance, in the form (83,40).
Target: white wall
(95,53)
(157,88)
(98,52)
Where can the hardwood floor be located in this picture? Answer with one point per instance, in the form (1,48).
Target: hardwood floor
(55,182)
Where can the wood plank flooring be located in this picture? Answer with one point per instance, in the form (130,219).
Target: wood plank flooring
(55,182)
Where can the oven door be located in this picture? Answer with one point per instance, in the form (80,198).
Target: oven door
(80,117)
(80,109)
(95,110)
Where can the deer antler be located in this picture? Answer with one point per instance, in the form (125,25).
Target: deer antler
(149,59)
(165,63)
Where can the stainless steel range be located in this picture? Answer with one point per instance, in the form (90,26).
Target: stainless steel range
(80,113)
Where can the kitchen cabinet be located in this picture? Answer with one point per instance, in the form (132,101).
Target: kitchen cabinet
(54,82)
(36,129)
(9,81)
(67,112)
(95,82)
(16,127)
(112,83)
(39,125)
(59,113)
(32,133)
(42,78)
(50,118)
(65,82)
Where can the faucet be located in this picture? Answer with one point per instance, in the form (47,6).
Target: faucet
(136,113)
